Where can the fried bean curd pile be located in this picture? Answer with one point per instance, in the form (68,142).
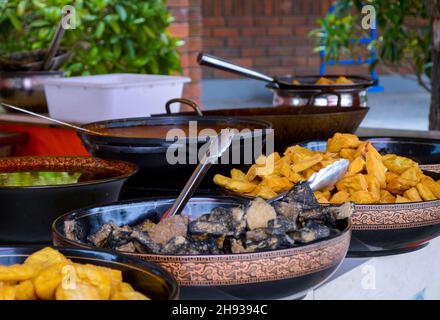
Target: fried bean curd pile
(49,275)
(371,177)
(326,81)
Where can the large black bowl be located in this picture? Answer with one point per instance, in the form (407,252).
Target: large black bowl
(27,213)
(145,277)
(421,150)
(150,154)
(263,275)
(384,229)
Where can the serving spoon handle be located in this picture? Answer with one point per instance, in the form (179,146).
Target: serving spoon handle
(72,126)
(222,64)
(217,147)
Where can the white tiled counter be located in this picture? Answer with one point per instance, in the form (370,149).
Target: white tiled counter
(413,275)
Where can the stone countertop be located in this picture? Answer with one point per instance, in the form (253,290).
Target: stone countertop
(407,276)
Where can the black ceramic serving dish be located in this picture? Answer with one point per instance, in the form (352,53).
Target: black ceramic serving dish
(150,154)
(421,150)
(263,275)
(382,229)
(27,213)
(145,277)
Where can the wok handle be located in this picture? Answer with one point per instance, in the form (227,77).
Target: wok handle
(187,102)
(221,64)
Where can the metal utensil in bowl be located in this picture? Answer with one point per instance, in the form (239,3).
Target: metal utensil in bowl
(54,45)
(31,61)
(217,147)
(324,178)
(69,125)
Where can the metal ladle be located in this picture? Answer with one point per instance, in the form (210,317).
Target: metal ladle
(72,126)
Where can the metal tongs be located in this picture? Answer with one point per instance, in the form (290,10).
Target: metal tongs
(324,178)
(219,144)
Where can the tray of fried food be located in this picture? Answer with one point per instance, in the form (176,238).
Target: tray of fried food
(370,178)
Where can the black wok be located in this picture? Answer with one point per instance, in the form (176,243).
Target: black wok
(150,154)
(290,125)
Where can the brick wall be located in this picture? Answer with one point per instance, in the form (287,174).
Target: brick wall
(268,35)
(188,27)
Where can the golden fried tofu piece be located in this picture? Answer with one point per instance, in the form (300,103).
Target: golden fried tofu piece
(306,163)
(126,292)
(351,184)
(308,173)
(48,280)
(295,177)
(356,166)
(341,141)
(286,171)
(97,277)
(324,81)
(399,185)
(340,197)
(343,80)
(347,153)
(81,291)
(432,186)
(234,185)
(277,184)
(400,199)
(45,257)
(271,158)
(251,174)
(373,187)
(411,174)
(263,191)
(221,180)
(297,153)
(16,272)
(375,167)
(397,164)
(241,186)
(362,197)
(238,175)
(390,176)
(412,194)
(25,291)
(7,292)
(424,192)
(361,150)
(322,197)
(386,197)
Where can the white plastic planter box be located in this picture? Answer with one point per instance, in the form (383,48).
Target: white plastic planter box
(112,96)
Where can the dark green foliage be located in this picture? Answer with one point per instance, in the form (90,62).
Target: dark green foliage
(111,36)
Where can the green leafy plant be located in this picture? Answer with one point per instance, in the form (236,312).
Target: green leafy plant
(404,40)
(405,44)
(110,36)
